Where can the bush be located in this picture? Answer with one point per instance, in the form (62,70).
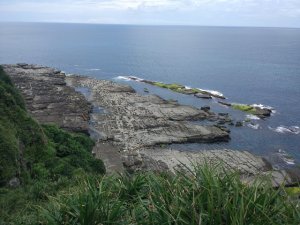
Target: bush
(205,196)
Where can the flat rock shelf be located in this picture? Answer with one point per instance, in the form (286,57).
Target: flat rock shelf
(132,132)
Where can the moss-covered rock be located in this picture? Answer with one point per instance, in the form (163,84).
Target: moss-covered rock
(243,107)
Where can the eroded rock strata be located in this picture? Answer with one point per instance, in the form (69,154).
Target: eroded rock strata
(132,131)
(48,98)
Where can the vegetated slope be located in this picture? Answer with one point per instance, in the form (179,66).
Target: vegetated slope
(205,196)
(34,154)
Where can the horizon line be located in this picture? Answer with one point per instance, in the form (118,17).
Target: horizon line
(163,25)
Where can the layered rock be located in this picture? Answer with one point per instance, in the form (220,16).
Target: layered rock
(48,98)
(134,121)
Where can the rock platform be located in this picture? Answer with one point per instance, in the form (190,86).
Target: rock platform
(132,132)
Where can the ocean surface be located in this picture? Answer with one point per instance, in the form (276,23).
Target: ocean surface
(247,65)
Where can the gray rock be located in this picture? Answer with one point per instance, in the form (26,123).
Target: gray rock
(239,124)
(48,98)
(14,182)
(205,108)
(204,96)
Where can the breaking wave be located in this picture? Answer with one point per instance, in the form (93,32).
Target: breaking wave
(122,78)
(94,69)
(254,126)
(285,129)
(252,117)
(261,106)
(213,92)
(283,155)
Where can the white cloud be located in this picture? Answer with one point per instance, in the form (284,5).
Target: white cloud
(134,11)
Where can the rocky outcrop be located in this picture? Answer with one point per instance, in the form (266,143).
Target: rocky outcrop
(48,98)
(133,132)
(134,121)
(197,92)
(261,112)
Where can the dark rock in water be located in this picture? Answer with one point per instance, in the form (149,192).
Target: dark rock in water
(221,122)
(224,128)
(262,112)
(205,108)
(239,124)
(14,182)
(223,114)
(204,96)
(225,103)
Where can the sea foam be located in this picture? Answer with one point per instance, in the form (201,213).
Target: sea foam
(284,129)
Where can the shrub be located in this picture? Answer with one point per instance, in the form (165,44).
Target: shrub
(203,196)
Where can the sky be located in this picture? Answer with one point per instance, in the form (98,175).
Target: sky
(265,13)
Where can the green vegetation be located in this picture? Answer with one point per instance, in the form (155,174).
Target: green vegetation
(202,197)
(43,159)
(182,89)
(243,107)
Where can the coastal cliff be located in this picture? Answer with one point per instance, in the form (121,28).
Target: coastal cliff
(49,176)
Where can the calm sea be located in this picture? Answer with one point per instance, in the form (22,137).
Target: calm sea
(247,65)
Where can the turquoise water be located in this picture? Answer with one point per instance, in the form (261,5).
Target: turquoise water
(247,65)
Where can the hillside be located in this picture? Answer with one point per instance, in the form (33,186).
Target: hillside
(35,157)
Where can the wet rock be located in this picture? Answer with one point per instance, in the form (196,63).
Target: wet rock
(205,108)
(239,124)
(225,103)
(204,96)
(137,121)
(262,112)
(223,114)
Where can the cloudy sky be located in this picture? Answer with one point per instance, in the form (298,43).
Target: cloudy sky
(278,13)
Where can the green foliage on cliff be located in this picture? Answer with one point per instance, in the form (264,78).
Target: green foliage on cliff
(22,141)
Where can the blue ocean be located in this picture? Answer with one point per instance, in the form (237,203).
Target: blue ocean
(247,65)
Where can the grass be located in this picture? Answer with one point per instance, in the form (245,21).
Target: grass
(202,197)
(243,107)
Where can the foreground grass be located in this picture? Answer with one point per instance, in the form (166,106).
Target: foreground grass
(203,197)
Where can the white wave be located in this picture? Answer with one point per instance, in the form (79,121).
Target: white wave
(95,69)
(285,157)
(213,92)
(122,78)
(285,129)
(252,117)
(253,126)
(135,78)
(262,106)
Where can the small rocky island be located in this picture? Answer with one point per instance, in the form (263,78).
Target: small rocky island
(132,132)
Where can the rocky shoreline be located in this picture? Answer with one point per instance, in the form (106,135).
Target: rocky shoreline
(132,132)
